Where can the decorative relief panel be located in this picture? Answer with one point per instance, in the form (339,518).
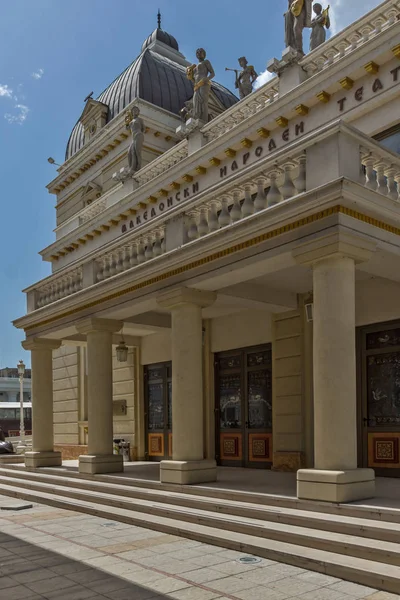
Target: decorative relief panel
(229,362)
(260,447)
(156,444)
(231,446)
(259,358)
(384,450)
(383,339)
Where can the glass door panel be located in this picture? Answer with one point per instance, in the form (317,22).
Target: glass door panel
(158,414)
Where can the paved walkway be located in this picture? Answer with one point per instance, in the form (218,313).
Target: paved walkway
(63,555)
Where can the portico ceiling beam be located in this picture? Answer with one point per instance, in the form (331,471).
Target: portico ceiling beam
(152,320)
(262,295)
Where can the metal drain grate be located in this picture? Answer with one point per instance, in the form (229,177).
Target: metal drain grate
(249,560)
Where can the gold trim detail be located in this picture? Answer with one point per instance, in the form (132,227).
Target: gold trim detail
(187,178)
(263,133)
(346,83)
(151,200)
(215,162)
(175,185)
(246,143)
(282,121)
(230,153)
(396,51)
(302,109)
(324,97)
(163,193)
(201,170)
(372,68)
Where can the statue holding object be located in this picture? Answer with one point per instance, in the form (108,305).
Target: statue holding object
(318,25)
(201,75)
(297,18)
(244,78)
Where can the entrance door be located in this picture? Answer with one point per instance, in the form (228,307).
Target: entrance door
(379,397)
(243,403)
(158,410)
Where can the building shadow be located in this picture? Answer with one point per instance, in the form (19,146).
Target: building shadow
(30,572)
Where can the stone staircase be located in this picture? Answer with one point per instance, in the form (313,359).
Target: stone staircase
(359,544)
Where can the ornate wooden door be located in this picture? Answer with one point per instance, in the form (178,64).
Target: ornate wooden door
(379,397)
(158,411)
(244,407)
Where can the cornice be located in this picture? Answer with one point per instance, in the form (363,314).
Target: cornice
(341,197)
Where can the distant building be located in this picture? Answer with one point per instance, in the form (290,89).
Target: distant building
(9,385)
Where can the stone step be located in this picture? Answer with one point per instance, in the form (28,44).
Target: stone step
(365,572)
(336,524)
(378,513)
(351,545)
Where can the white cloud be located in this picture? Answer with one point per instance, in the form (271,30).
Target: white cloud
(20,117)
(5,91)
(263,78)
(38,74)
(343,12)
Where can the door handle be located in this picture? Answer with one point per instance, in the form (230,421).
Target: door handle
(247,424)
(366,421)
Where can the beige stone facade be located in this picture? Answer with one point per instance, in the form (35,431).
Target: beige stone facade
(252,271)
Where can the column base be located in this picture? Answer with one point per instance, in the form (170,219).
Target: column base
(335,486)
(188,472)
(91,464)
(35,460)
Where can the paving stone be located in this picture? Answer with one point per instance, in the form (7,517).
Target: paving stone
(203,575)
(132,593)
(289,587)
(228,585)
(85,577)
(352,589)
(382,596)
(32,576)
(76,592)
(7,582)
(322,593)
(233,567)
(261,593)
(49,585)
(193,593)
(18,592)
(104,586)
(166,585)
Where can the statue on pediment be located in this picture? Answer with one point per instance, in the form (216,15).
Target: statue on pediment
(320,23)
(297,18)
(201,75)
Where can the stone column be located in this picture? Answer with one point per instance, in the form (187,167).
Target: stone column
(42,454)
(187,465)
(335,477)
(100,457)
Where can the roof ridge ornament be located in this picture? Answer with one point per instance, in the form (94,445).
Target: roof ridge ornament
(159,19)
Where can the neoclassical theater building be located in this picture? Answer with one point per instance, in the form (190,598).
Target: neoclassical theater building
(251,267)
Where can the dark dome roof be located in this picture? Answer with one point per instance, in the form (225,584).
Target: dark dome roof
(160,35)
(155,77)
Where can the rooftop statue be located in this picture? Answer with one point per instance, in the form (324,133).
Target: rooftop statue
(136,126)
(297,18)
(244,78)
(201,76)
(318,25)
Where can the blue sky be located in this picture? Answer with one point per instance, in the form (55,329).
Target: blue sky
(53,53)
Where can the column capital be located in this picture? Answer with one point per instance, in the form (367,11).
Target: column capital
(334,245)
(92,324)
(179,296)
(40,344)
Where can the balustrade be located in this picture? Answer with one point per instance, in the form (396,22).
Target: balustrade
(274,186)
(64,286)
(137,252)
(381,172)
